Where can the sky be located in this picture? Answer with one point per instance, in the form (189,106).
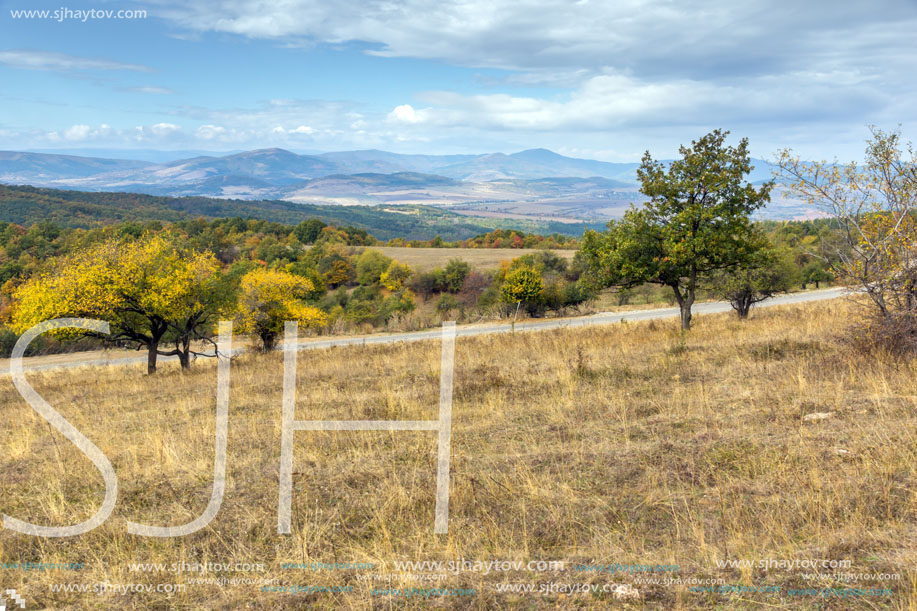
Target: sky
(595,79)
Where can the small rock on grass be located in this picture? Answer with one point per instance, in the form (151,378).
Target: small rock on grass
(816,416)
(625,591)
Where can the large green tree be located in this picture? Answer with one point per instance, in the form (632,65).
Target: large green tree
(697,221)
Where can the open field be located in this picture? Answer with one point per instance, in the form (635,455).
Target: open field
(425,259)
(626,443)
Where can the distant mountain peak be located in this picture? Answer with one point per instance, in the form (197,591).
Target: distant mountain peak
(271,151)
(539,154)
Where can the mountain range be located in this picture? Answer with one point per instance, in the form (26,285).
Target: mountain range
(535,183)
(282,167)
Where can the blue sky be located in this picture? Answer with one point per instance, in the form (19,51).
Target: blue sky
(596,79)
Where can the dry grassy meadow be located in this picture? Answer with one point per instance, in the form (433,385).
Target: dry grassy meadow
(614,444)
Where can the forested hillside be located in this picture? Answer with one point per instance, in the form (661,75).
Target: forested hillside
(26,205)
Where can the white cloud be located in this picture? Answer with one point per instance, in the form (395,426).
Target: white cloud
(164,129)
(613,68)
(405,114)
(77,132)
(691,37)
(209,132)
(613,101)
(61,62)
(303,129)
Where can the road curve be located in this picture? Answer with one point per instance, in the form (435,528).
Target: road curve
(601,318)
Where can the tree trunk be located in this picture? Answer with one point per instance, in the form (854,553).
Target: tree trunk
(742,307)
(268,341)
(685,302)
(157,330)
(688,302)
(685,306)
(184,357)
(152,354)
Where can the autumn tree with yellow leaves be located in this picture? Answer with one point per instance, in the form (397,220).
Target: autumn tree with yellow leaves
(394,277)
(875,206)
(521,284)
(154,294)
(268,298)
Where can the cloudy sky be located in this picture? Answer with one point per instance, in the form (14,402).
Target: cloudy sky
(599,79)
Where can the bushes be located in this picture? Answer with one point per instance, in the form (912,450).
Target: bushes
(475,285)
(369,304)
(447,303)
(370,266)
(561,294)
(426,283)
(439,280)
(394,277)
(894,334)
(454,275)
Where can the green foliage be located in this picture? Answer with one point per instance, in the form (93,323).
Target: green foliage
(769,272)
(308,231)
(399,302)
(447,303)
(427,283)
(697,221)
(368,304)
(370,266)
(310,272)
(545,261)
(454,275)
(815,272)
(562,294)
(499,238)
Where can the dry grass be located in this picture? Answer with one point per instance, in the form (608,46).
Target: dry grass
(621,443)
(425,259)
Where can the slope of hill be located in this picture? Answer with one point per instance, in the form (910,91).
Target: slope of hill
(38,166)
(26,205)
(535,163)
(355,162)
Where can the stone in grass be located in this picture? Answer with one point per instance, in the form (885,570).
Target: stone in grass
(816,416)
(625,591)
